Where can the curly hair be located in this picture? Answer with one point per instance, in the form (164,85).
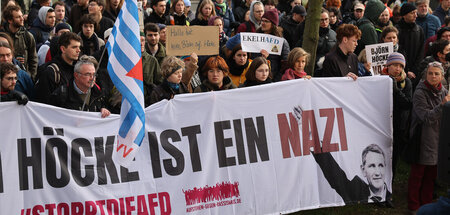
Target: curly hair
(8,12)
(6,68)
(347,30)
(170,64)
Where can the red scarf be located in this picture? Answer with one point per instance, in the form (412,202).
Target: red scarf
(432,88)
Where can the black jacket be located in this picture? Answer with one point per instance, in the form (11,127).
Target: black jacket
(163,91)
(154,18)
(289,26)
(351,191)
(67,97)
(410,44)
(47,82)
(206,86)
(337,64)
(249,83)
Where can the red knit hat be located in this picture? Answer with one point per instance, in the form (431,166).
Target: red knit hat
(272,16)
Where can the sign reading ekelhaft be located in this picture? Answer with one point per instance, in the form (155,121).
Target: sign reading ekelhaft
(258,150)
(255,42)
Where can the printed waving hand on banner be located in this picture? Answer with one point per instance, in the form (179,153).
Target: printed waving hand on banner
(125,70)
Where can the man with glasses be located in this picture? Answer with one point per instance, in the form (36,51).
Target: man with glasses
(82,93)
(59,71)
(8,82)
(24,83)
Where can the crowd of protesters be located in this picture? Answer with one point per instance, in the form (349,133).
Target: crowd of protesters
(53,52)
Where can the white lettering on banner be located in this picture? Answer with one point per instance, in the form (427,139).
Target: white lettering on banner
(226,158)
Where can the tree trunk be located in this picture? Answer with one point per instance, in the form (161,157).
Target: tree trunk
(311,33)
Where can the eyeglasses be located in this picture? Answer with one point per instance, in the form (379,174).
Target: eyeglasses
(265,20)
(11,78)
(90,75)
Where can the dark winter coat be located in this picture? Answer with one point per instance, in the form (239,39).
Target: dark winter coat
(249,83)
(427,109)
(337,64)
(47,82)
(369,35)
(25,46)
(429,24)
(67,97)
(75,16)
(410,44)
(206,86)
(40,32)
(154,18)
(163,91)
(289,26)
(198,21)
(441,14)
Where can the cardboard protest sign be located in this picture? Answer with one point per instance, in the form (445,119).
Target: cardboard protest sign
(255,42)
(184,40)
(377,55)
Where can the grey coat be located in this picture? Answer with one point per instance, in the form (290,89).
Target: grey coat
(427,109)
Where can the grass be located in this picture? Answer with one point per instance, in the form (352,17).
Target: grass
(400,189)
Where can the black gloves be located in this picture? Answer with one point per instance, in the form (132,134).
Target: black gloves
(14,95)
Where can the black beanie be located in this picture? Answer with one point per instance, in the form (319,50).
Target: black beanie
(406,8)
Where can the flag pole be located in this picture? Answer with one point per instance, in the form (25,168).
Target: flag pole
(95,75)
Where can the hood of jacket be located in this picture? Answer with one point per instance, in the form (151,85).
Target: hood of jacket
(374,8)
(38,24)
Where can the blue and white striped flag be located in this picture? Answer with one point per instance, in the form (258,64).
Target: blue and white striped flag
(125,70)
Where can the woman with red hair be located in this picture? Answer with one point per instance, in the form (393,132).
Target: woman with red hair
(215,72)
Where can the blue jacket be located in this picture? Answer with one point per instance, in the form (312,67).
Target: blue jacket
(430,24)
(40,32)
(440,13)
(24,84)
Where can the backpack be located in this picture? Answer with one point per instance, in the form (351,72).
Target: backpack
(55,68)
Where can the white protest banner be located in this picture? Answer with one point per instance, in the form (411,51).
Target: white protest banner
(377,55)
(256,150)
(255,42)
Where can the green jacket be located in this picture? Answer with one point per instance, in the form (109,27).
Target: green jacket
(369,35)
(25,46)
(151,71)
(160,54)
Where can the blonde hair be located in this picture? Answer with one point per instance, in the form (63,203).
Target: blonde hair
(295,54)
(200,7)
